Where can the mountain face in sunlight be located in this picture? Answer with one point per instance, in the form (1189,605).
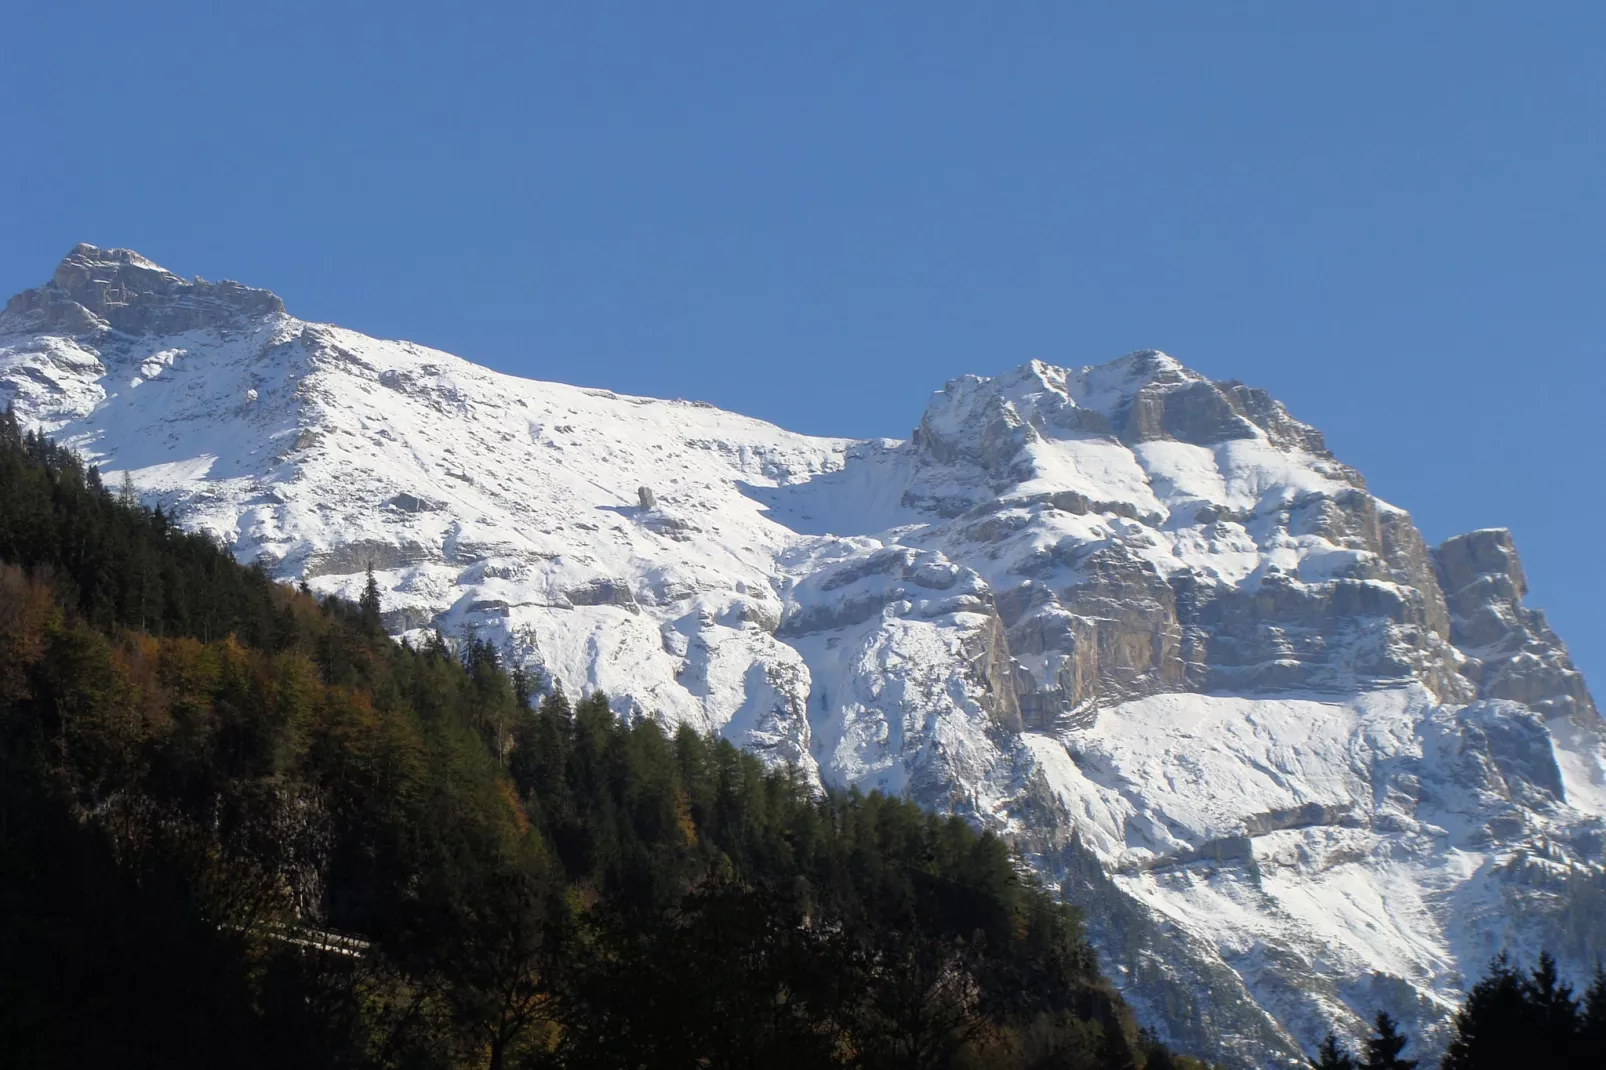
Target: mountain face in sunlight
(1295,764)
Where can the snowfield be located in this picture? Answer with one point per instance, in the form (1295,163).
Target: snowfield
(1298,765)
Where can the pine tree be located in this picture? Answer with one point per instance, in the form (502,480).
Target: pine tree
(1383,1049)
(1495,1027)
(1592,1027)
(128,496)
(523,688)
(1331,1055)
(369,604)
(1554,1010)
(628,899)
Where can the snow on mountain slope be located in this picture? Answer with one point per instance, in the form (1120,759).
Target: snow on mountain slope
(1296,764)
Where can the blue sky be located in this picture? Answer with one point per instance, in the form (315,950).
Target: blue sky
(1391,216)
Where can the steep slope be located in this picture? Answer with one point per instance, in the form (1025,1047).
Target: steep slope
(1298,765)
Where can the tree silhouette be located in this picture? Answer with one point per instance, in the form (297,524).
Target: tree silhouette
(1553,1008)
(369,604)
(1592,1026)
(1331,1055)
(1382,1049)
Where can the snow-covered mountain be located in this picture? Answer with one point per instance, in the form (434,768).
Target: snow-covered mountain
(1297,765)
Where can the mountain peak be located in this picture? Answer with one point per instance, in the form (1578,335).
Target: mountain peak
(1137,620)
(85,255)
(95,289)
(1143,396)
(1150,364)
(1135,369)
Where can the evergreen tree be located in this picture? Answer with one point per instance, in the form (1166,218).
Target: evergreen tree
(1382,1049)
(523,688)
(369,604)
(1495,1025)
(1331,1055)
(1592,1027)
(239,826)
(1553,1010)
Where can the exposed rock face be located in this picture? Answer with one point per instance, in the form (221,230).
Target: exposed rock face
(95,289)
(1113,632)
(1294,765)
(1511,652)
(605,592)
(1342,590)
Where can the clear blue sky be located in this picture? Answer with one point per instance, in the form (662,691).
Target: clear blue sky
(1392,216)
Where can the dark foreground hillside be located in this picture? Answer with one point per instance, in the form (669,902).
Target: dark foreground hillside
(242,828)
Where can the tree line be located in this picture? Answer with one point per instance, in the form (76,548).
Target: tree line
(240,826)
(1508,1019)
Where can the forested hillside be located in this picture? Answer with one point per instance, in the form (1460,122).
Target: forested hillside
(242,827)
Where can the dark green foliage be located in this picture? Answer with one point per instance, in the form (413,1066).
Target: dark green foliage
(1492,1027)
(1331,1055)
(368,606)
(116,564)
(1510,1019)
(1382,1049)
(1592,1026)
(242,828)
(1555,1011)
(740,922)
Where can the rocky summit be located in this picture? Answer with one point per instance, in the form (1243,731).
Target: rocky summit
(1295,764)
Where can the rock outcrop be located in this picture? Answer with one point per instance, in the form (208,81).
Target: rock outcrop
(119,290)
(1294,764)
(1510,651)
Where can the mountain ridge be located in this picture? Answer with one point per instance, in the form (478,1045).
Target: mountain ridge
(1141,621)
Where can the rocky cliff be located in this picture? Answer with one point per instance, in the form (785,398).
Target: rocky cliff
(1297,764)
